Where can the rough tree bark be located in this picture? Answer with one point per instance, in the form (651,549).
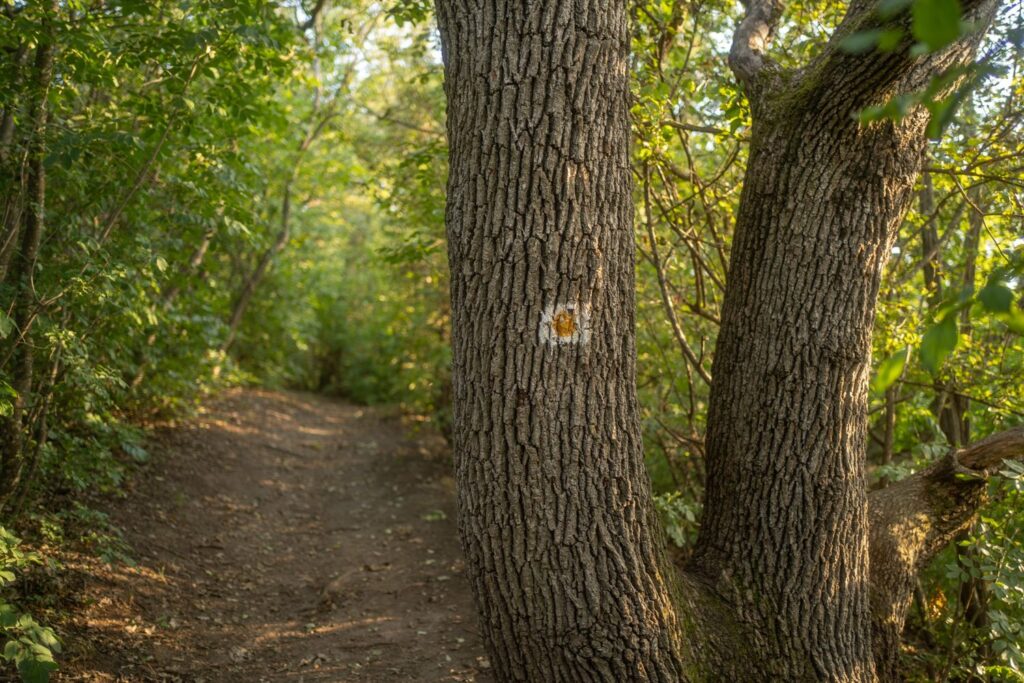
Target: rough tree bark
(785,511)
(554,504)
(12,429)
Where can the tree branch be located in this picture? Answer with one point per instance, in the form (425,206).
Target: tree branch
(986,456)
(747,57)
(913,519)
(862,78)
(693,128)
(314,14)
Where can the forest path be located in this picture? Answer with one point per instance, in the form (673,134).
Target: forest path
(280,537)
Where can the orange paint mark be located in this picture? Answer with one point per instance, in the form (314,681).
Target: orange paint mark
(564,324)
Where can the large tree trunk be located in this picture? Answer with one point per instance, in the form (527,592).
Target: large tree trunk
(785,533)
(554,504)
(785,510)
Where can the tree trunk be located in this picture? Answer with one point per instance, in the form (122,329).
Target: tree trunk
(254,278)
(554,503)
(785,512)
(785,528)
(11,172)
(562,546)
(930,243)
(12,436)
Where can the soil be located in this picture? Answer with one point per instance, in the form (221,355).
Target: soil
(282,537)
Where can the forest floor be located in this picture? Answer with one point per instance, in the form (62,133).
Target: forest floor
(281,537)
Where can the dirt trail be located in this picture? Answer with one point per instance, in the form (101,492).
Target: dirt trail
(281,537)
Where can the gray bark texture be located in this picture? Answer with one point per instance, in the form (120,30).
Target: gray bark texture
(562,545)
(555,505)
(785,527)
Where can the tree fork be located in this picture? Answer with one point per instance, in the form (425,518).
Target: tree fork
(563,548)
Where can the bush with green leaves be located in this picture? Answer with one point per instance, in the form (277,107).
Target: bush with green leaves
(29,646)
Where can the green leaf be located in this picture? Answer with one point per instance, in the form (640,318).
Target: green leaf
(1014,319)
(138,453)
(938,342)
(884,40)
(996,297)
(1014,469)
(8,616)
(48,638)
(40,652)
(860,42)
(870,114)
(890,8)
(890,369)
(942,112)
(936,23)
(889,39)
(6,325)
(36,670)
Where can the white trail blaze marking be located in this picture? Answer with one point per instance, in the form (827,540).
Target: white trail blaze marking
(565,323)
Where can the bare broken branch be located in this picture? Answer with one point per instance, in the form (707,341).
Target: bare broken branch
(747,57)
(987,455)
(913,519)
